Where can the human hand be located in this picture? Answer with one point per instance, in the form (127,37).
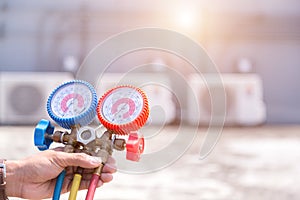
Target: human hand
(35,176)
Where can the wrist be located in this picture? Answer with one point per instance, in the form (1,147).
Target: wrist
(3,195)
(13,181)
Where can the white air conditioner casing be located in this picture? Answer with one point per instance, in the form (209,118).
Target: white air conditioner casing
(244,98)
(24,95)
(157,87)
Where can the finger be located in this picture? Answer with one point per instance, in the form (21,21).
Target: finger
(109,168)
(110,165)
(77,159)
(85,184)
(111,160)
(105,178)
(58,149)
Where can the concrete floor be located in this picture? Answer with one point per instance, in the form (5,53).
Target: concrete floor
(247,163)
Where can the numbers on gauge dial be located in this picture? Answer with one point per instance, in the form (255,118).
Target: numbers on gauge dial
(122,105)
(71,100)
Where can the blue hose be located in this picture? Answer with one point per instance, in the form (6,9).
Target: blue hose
(58,185)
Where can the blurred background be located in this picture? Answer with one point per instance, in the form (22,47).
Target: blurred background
(254,44)
(258,37)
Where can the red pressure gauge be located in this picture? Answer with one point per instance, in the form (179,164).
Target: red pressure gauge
(123,109)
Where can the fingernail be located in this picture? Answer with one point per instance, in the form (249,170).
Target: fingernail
(95,160)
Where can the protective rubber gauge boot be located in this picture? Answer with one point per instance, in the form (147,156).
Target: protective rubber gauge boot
(123,109)
(72,103)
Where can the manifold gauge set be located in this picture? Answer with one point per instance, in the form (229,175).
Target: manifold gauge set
(122,111)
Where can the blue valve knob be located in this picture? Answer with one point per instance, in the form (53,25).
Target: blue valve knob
(42,128)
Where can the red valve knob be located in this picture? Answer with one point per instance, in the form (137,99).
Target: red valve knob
(134,146)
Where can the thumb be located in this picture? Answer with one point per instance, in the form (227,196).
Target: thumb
(78,159)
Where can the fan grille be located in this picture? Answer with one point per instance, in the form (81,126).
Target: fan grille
(25,99)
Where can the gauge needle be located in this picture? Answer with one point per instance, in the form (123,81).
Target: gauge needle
(75,109)
(123,106)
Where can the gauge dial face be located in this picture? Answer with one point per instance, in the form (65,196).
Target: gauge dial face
(71,100)
(122,105)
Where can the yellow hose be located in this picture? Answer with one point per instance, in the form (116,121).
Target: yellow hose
(75,186)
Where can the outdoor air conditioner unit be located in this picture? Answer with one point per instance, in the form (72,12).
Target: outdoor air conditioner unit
(24,95)
(244,98)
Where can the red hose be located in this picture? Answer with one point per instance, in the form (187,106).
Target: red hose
(92,187)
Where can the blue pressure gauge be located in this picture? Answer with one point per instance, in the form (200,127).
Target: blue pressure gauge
(72,103)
